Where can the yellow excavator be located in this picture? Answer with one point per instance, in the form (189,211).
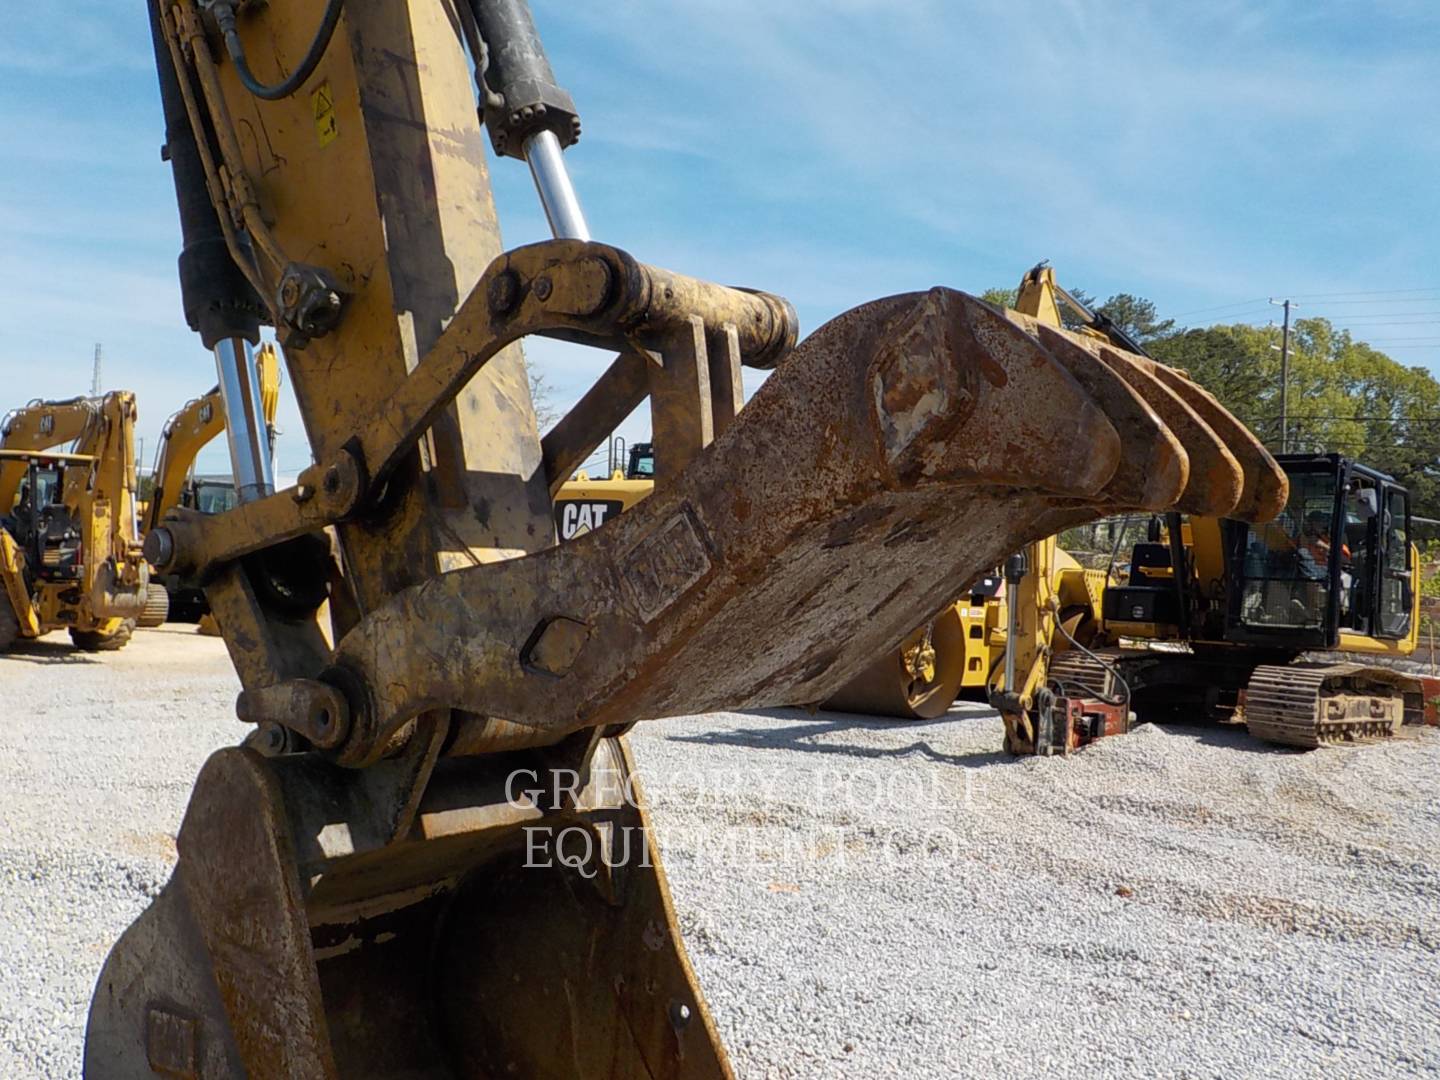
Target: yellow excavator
(1241,632)
(70,555)
(1277,623)
(173,484)
(431,857)
(583,504)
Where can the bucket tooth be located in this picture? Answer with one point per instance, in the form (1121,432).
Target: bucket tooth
(1216,480)
(1265,485)
(1154,467)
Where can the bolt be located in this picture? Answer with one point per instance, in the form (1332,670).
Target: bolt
(542,288)
(679,1015)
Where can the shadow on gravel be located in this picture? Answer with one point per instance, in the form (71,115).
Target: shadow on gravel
(1226,736)
(815,726)
(40,651)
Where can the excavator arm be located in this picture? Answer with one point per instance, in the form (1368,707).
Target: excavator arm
(379,883)
(181,439)
(193,427)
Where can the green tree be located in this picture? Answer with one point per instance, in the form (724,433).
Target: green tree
(1136,316)
(1344,396)
(1235,364)
(1000,297)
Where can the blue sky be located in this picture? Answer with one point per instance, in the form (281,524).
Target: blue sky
(1206,156)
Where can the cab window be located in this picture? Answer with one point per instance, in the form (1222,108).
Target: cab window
(1396,596)
(215,498)
(47,487)
(1358,563)
(1286,563)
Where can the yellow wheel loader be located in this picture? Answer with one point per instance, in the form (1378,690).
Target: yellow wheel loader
(431,858)
(173,483)
(961,651)
(70,558)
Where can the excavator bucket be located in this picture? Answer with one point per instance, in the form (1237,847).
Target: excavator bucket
(1181,450)
(508,924)
(432,859)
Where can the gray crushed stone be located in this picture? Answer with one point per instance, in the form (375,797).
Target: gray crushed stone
(859,898)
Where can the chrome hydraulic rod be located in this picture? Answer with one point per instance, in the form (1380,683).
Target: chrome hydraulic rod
(1015,569)
(552,182)
(245,428)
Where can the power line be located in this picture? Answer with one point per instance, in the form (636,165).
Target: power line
(1400,297)
(1379,325)
(1368,292)
(1391,314)
(1386,300)
(1221,307)
(1375,419)
(1340,322)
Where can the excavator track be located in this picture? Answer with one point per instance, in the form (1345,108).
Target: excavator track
(157,607)
(1076,670)
(1308,704)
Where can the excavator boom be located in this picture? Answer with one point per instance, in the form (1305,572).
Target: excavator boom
(363,889)
(40,425)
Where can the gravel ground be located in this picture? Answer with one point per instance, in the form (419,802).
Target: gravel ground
(860,899)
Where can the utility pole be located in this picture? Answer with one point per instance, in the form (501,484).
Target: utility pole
(95,378)
(1284,377)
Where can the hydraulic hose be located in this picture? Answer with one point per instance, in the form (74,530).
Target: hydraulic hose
(225,20)
(1124,699)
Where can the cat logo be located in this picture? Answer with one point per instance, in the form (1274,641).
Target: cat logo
(577,517)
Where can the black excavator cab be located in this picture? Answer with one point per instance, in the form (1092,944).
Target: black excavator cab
(641,465)
(1336,559)
(43,526)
